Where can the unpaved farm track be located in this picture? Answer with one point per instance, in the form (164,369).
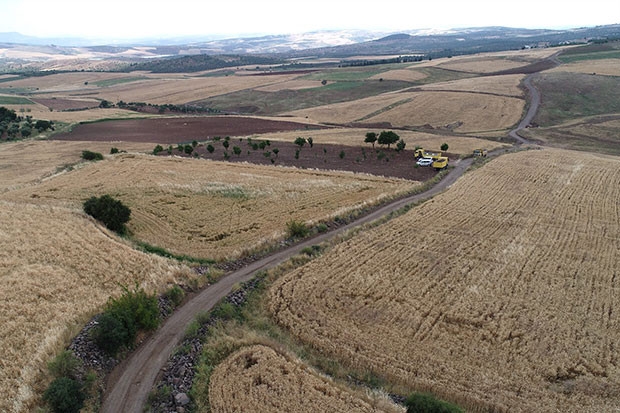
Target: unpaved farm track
(136,375)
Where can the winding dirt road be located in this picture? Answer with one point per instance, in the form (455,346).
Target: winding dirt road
(135,377)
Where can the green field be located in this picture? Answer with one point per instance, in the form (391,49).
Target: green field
(15,100)
(112,82)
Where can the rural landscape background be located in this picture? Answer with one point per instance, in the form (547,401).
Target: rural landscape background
(283,252)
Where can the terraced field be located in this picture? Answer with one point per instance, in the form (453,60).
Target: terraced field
(499,294)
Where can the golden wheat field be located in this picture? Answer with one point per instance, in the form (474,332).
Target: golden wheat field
(459,145)
(269,381)
(406,75)
(507,85)
(481,64)
(212,209)
(38,111)
(501,293)
(460,111)
(31,161)
(605,67)
(57,268)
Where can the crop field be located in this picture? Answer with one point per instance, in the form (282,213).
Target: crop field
(38,111)
(506,85)
(499,294)
(481,64)
(30,162)
(212,209)
(269,381)
(58,268)
(407,75)
(605,67)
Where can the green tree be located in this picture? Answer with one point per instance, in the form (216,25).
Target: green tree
(341,154)
(111,212)
(310,141)
(25,131)
(43,125)
(400,145)
(237,150)
(64,395)
(210,148)
(158,149)
(105,104)
(387,138)
(91,156)
(300,142)
(371,137)
(113,150)
(276,151)
(226,144)
(444,147)
(188,149)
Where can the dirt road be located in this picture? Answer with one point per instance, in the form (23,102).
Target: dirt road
(136,375)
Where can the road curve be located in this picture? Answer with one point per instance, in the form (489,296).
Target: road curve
(135,377)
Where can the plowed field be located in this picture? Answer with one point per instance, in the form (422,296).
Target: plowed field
(502,293)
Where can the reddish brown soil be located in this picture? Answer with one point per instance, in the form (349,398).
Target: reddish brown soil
(173,131)
(178,130)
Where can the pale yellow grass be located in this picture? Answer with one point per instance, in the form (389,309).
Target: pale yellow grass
(477,64)
(499,294)
(355,137)
(507,85)
(260,379)
(57,268)
(213,209)
(467,112)
(406,75)
(607,67)
(38,111)
(31,161)
(295,84)
(66,82)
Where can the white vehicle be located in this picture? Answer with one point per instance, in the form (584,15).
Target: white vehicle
(424,162)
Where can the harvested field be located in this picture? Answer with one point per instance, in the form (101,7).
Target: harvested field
(212,209)
(269,381)
(64,82)
(57,268)
(483,64)
(295,84)
(178,129)
(604,67)
(506,85)
(38,111)
(462,112)
(30,162)
(406,75)
(499,294)
(67,104)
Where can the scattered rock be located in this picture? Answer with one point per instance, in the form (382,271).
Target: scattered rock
(181,399)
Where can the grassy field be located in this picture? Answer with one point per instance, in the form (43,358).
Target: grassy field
(491,301)
(209,209)
(15,100)
(271,381)
(57,269)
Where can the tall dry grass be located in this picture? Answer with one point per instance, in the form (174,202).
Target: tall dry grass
(58,268)
(212,209)
(260,379)
(501,293)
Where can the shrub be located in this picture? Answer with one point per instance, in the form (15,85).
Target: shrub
(296,229)
(158,149)
(175,294)
(111,212)
(64,395)
(341,154)
(113,151)
(400,145)
(64,364)
(311,142)
(427,403)
(276,151)
(112,333)
(194,143)
(262,145)
(444,147)
(296,153)
(91,156)
(210,148)
(188,149)
(179,147)
(237,150)
(300,142)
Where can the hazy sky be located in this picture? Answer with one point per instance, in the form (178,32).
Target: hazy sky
(129,19)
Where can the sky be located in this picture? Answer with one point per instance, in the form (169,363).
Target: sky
(138,19)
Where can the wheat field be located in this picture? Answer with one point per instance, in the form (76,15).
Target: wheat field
(260,379)
(481,64)
(605,67)
(501,293)
(211,209)
(58,268)
(507,85)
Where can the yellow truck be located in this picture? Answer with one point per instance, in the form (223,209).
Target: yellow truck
(441,163)
(480,152)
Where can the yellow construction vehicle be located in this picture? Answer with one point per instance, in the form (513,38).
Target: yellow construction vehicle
(421,153)
(480,152)
(441,163)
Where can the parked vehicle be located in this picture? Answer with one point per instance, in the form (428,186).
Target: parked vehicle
(480,152)
(441,163)
(424,162)
(421,153)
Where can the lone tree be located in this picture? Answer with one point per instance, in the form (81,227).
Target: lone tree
(300,142)
(111,212)
(371,137)
(444,147)
(388,138)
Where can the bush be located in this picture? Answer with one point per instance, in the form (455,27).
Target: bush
(210,148)
(91,156)
(296,229)
(188,149)
(158,149)
(64,365)
(341,154)
(175,294)
(113,150)
(444,147)
(64,395)
(108,210)
(112,333)
(427,403)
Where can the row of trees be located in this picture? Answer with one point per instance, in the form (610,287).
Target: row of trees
(386,138)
